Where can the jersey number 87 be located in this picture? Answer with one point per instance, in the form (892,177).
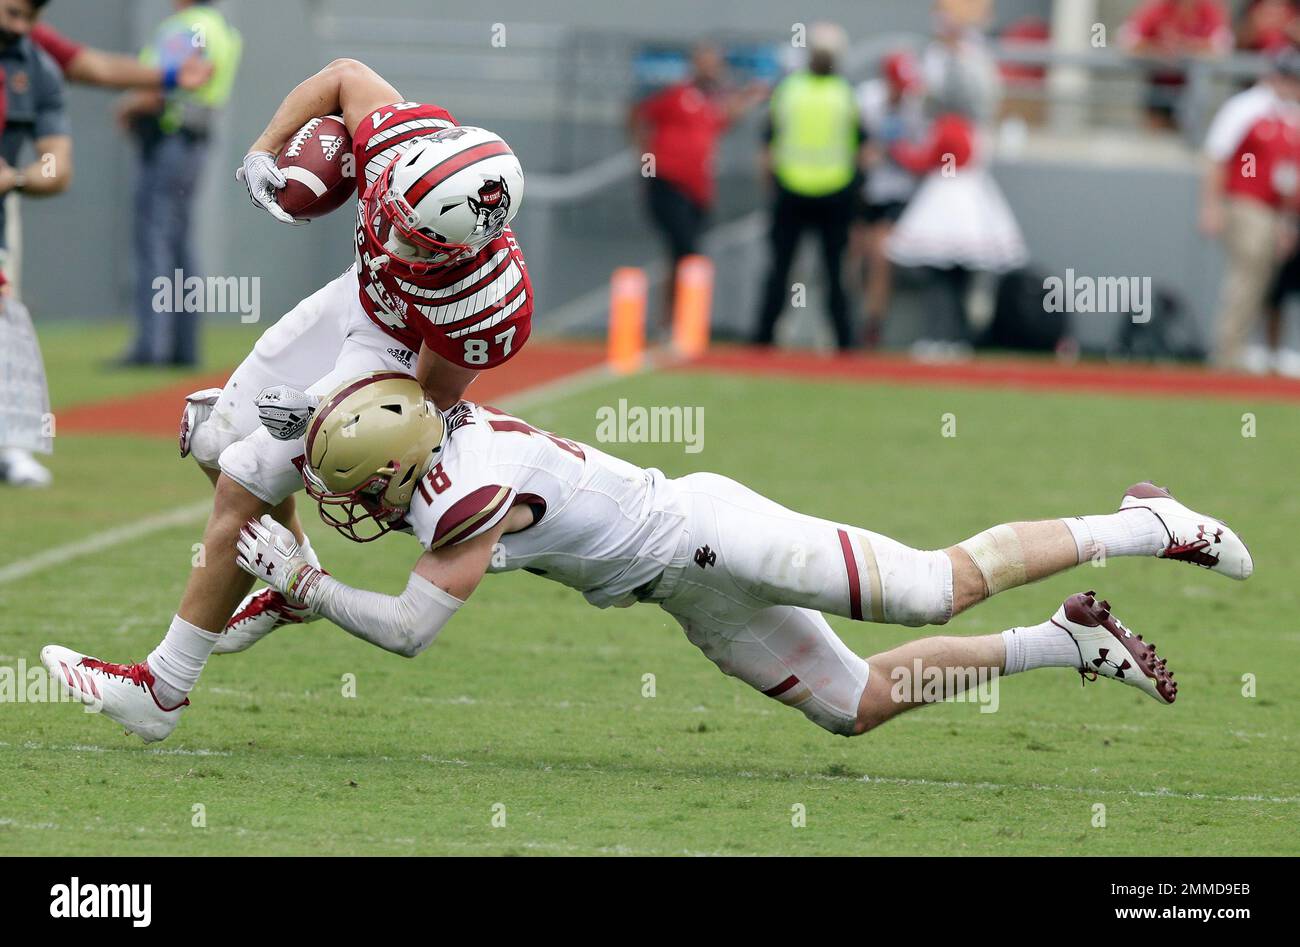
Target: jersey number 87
(476,350)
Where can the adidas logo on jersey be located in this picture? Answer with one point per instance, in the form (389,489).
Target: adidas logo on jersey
(329,144)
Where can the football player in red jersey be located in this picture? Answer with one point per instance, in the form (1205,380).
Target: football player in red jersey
(438,287)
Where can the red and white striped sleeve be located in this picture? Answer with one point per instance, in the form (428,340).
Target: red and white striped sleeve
(383,133)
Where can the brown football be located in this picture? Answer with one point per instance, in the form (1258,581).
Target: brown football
(320,168)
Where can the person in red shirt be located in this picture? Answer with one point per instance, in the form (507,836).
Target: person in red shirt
(1250,195)
(1266,26)
(90,66)
(677,131)
(1169,31)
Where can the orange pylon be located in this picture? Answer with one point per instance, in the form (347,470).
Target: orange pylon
(692,305)
(627,295)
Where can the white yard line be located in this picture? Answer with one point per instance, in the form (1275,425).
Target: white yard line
(99,542)
(913,782)
(197,512)
(130,748)
(553,390)
(1159,793)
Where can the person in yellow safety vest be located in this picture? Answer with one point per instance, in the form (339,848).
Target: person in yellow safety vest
(172,129)
(813,154)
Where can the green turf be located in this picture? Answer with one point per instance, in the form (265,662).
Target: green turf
(78,358)
(532,700)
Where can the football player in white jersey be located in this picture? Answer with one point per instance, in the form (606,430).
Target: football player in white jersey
(437,287)
(747,579)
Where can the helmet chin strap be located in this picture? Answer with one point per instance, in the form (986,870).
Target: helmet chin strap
(417,267)
(434,456)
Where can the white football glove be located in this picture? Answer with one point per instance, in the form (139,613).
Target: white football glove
(285,411)
(269,551)
(263,179)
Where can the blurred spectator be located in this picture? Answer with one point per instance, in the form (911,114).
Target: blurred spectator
(1264,26)
(891,108)
(813,142)
(32,119)
(680,127)
(1170,31)
(1274,355)
(89,66)
(958,224)
(172,129)
(957,66)
(1249,195)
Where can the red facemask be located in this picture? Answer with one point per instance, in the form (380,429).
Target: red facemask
(384,213)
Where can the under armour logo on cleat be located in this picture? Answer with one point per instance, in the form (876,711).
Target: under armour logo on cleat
(1102,660)
(705,557)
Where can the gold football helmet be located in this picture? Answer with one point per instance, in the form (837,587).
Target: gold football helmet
(368,444)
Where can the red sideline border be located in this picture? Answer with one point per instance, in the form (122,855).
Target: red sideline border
(1002,372)
(157,412)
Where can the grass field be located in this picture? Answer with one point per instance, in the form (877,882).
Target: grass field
(533,701)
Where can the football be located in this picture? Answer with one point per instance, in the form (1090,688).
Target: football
(319,166)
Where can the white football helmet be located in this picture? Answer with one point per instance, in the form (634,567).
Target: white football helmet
(445,198)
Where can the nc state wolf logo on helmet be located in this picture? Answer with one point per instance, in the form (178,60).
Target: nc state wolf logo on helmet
(492,206)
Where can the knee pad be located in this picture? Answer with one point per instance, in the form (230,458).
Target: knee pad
(915,585)
(205,432)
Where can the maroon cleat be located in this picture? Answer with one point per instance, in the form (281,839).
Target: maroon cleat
(1108,649)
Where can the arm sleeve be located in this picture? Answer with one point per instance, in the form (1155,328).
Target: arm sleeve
(404,624)
(62,49)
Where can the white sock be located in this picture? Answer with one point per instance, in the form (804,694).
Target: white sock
(307,552)
(1039,646)
(1136,532)
(178,660)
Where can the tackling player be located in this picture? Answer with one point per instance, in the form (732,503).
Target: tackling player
(437,272)
(746,578)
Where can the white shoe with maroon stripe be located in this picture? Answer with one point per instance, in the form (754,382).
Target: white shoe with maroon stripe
(122,692)
(1193,537)
(1108,649)
(259,614)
